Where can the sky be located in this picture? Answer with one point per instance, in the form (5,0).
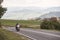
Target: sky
(28,3)
(31,3)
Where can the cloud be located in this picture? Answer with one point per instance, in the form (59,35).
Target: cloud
(27,3)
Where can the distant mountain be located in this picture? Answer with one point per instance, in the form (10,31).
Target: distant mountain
(53,9)
(24,9)
(30,12)
(32,9)
(51,14)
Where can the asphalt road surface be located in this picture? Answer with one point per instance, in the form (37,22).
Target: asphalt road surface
(37,34)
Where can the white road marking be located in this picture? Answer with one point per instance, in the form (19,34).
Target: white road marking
(42,33)
(27,36)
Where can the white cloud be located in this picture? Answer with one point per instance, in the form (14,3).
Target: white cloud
(27,3)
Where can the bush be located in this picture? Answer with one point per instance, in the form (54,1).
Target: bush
(50,25)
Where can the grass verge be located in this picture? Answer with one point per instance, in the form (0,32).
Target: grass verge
(7,35)
(24,23)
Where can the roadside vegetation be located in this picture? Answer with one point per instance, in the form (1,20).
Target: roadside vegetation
(24,23)
(51,24)
(7,35)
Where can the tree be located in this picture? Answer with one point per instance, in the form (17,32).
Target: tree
(2,10)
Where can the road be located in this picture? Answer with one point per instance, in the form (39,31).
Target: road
(37,34)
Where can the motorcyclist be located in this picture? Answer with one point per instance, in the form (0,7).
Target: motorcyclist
(17,27)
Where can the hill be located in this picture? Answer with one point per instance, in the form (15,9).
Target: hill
(51,14)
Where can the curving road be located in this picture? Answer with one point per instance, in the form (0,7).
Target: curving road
(37,34)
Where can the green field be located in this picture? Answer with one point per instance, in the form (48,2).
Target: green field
(24,23)
(7,35)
